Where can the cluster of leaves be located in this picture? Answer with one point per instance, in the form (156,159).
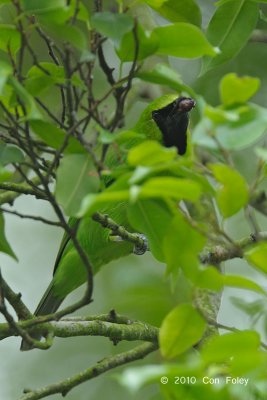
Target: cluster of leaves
(80,143)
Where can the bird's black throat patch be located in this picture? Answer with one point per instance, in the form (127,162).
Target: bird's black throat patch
(173,121)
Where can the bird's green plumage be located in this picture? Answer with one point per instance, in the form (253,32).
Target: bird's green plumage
(69,270)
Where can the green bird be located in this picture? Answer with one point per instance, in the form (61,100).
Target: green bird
(165,120)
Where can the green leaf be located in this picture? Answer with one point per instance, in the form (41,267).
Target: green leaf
(234,19)
(177,11)
(94,202)
(6,71)
(232,195)
(37,80)
(218,115)
(211,278)
(147,45)
(181,246)
(55,137)
(257,256)
(5,174)
(234,89)
(162,74)
(112,25)
(243,283)
(26,98)
(153,218)
(10,153)
(68,33)
(150,153)
(115,193)
(4,245)
(169,187)
(222,348)
(182,40)
(233,135)
(154,3)
(182,328)
(9,38)
(40,6)
(76,177)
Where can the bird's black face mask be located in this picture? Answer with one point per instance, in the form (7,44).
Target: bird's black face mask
(173,120)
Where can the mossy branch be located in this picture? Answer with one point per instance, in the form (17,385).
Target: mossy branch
(105,365)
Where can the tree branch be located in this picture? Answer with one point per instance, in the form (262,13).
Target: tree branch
(139,240)
(14,190)
(101,367)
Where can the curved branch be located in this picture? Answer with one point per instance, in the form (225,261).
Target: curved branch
(105,365)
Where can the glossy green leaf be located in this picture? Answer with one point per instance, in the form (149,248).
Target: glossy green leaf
(76,177)
(153,218)
(235,89)
(9,38)
(182,328)
(162,74)
(55,137)
(112,25)
(181,246)
(223,348)
(147,45)
(4,245)
(229,29)
(10,154)
(257,256)
(170,187)
(178,11)
(232,195)
(150,153)
(182,40)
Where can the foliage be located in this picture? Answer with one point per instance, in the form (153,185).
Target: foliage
(72,75)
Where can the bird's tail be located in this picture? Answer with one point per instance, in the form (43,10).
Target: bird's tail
(48,304)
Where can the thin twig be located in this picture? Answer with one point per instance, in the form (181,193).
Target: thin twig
(32,217)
